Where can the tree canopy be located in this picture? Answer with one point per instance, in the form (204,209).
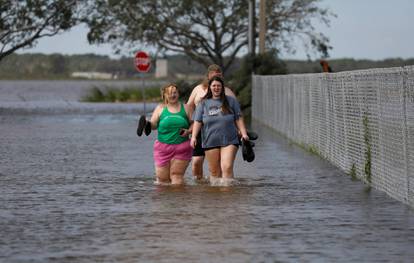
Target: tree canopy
(208,31)
(24,22)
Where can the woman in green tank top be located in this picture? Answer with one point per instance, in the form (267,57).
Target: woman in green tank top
(172,150)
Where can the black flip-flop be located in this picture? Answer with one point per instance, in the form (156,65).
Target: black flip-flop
(147,129)
(252,135)
(247,151)
(141,125)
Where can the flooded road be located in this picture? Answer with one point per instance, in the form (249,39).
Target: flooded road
(78,187)
(46,97)
(62,90)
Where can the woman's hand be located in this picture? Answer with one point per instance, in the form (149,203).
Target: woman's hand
(245,137)
(184,132)
(193,142)
(196,129)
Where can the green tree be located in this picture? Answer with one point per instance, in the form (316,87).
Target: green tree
(205,30)
(22,23)
(241,81)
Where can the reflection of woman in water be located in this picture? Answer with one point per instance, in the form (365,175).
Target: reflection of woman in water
(218,117)
(172,150)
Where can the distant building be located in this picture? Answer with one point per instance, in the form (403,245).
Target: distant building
(93,75)
(161,68)
(189,76)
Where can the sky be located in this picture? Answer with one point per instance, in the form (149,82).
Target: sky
(363,29)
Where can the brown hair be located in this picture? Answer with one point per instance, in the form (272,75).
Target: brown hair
(166,89)
(225,103)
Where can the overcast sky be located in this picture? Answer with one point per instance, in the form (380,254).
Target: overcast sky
(371,29)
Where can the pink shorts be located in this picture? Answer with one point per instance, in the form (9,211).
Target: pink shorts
(164,153)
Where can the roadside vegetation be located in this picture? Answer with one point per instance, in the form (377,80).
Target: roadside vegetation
(57,66)
(134,94)
(111,94)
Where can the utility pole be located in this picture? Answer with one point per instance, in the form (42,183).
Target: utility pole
(252,28)
(262,26)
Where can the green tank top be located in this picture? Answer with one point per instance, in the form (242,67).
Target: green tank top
(170,124)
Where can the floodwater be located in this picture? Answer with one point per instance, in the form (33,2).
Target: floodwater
(79,187)
(61,90)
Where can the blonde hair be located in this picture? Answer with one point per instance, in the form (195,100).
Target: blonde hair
(167,89)
(211,68)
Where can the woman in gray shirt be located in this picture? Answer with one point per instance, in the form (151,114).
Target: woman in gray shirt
(217,117)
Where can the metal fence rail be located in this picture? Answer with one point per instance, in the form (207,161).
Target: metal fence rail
(361,121)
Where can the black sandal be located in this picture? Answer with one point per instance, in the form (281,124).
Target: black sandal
(141,125)
(247,151)
(252,135)
(147,129)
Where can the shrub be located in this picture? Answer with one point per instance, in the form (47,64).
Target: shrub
(110,94)
(241,81)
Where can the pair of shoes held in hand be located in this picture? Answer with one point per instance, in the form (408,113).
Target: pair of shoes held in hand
(247,147)
(143,126)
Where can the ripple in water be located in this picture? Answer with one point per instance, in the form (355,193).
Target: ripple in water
(81,189)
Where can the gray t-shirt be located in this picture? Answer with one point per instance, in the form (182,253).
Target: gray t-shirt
(218,129)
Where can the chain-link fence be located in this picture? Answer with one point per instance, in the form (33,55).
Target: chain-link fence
(361,121)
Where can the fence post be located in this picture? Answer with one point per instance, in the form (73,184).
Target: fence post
(405,94)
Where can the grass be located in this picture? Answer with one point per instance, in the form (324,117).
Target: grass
(352,173)
(314,150)
(367,139)
(130,94)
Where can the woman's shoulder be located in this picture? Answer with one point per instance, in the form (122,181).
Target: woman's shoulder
(229,92)
(202,101)
(159,107)
(199,87)
(231,99)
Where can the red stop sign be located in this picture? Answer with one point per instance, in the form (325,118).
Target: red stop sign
(142,61)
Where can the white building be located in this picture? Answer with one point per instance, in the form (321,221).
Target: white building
(161,68)
(93,75)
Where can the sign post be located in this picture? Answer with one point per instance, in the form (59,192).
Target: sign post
(142,63)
